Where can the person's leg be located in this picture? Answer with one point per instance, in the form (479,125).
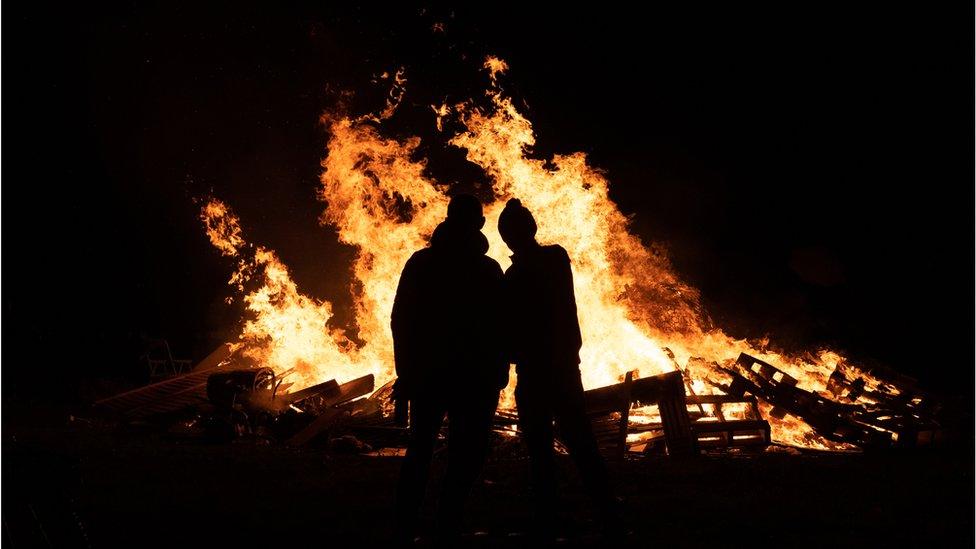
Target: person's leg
(469,432)
(576,431)
(426,416)
(535,425)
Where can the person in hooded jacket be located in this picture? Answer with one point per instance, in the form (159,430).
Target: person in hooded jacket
(545,340)
(449,362)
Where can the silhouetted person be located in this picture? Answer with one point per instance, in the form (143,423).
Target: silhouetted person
(449,361)
(545,340)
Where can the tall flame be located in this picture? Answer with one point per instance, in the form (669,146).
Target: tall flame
(634,311)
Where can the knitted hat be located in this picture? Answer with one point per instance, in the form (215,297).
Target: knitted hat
(516,221)
(465,210)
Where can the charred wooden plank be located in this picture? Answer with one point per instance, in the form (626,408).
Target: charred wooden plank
(674,416)
(621,446)
(321,423)
(895,392)
(732,433)
(347,391)
(718,399)
(647,390)
(665,390)
(327,388)
(351,389)
(836,421)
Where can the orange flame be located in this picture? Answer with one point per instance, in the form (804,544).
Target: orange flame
(635,312)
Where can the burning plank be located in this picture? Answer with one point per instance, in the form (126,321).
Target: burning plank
(347,391)
(667,391)
(611,407)
(889,418)
(327,389)
(751,430)
(870,417)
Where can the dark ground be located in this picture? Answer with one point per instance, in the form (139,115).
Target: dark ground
(90,484)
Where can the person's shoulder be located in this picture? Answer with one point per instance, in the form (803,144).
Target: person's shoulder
(421,253)
(419,258)
(555,252)
(489,264)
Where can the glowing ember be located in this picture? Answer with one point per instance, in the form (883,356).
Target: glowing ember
(631,303)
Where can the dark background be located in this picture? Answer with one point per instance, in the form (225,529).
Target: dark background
(810,169)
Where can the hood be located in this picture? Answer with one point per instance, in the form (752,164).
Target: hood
(450,238)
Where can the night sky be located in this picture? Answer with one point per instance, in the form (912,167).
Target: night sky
(811,171)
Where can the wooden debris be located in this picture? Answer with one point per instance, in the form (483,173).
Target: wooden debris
(347,391)
(612,404)
(893,412)
(735,433)
(898,417)
(326,389)
(752,431)
(169,395)
(248,387)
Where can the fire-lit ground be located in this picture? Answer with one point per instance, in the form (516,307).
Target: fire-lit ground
(136,489)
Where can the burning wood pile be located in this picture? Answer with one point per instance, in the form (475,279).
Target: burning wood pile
(226,403)
(654,415)
(856,418)
(662,376)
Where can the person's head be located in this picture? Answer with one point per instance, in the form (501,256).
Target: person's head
(464,211)
(517,226)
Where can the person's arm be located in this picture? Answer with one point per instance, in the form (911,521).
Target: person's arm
(403,324)
(566,300)
(502,344)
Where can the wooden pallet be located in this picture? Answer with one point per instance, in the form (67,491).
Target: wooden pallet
(609,408)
